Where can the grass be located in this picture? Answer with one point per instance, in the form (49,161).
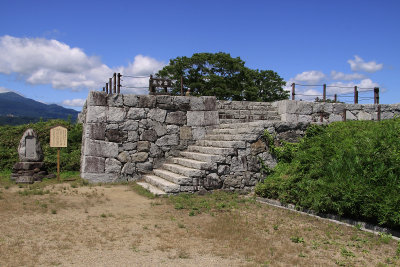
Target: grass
(142,191)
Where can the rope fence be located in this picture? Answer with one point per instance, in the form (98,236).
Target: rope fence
(343,97)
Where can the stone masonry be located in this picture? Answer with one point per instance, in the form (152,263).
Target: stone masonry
(174,144)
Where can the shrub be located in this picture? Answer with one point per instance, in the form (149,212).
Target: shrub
(347,168)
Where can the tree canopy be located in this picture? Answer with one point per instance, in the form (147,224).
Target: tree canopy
(227,78)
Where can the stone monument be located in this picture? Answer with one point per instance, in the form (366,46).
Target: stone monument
(30,167)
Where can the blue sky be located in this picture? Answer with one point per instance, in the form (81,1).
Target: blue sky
(56,51)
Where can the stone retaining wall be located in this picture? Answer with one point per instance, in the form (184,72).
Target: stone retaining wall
(125,136)
(301,111)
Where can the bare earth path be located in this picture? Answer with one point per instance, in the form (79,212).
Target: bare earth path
(114,226)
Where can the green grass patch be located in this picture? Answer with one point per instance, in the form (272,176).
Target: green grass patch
(347,168)
(215,201)
(142,191)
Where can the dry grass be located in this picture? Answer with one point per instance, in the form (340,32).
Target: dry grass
(113,225)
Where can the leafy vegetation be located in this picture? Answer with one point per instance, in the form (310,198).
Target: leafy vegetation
(69,157)
(220,75)
(347,168)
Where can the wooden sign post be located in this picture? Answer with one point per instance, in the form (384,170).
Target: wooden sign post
(58,138)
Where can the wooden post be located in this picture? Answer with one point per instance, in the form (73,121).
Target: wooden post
(379,112)
(115,83)
(321,117)
(293,90)
(355,95)
(110,84)
(150,85)
(335,99)
(344,114)
(376,95)
(58,164)
(119,83)
(181,85)
(324,93)
(106,88)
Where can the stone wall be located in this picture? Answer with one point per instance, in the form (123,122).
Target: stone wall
(301,111)
(245,111)
(125,136)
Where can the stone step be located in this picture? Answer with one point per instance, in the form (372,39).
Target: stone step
(173,177)
(226,144)
(185,171)
(210,158)
(212,150)
(162,184)
(238,131)
(195,164)
(232,137)
(246,125)
(151,188)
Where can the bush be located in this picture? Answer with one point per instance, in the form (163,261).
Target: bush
(69,157)
(347,168)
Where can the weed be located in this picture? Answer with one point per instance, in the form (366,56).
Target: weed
(385,237)
(103,215)
(346,253)
(297,239)
(142,191)
(192,213)
(398,249)
(276,227)
(182,226)
(301,255)
(53,211)
(358,226)
(315,244)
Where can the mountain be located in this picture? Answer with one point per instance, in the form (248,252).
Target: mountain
(16,109)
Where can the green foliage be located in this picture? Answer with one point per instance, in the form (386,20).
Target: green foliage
(220,75)
(69,157)
(347,168)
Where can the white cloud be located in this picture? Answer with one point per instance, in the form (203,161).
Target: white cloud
(336,75)
(77,102)
(310,77)
(358,64)
(345,88)
(43,61)
(3,90)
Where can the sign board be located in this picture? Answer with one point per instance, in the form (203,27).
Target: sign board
(158,82)
(58,136)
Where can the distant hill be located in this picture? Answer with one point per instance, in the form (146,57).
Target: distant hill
(16,109)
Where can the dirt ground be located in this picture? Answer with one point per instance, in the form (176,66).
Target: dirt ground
(115,226)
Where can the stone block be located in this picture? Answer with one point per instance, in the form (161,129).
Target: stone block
(97,98)
(98,148)
(350,116)
(198,133)
(112,126)
(24,179)
(258,147)
(96,131)
(164,102)
(335,117)
(100,177)
(136,113)
(28,165)
(303,108)
(289,117)
(181,103)
(362,115)
(338,108)
(195,118)
(143,146)
(147,101)
(112,166)
(145,167)
(157,114)
(129,146)
(223,169)
(133,136)
(197,103)
(139,157)
(149,135)
(210,103)
(160,128)
(130,125)
(177,117)
(29,148)
(128,169)
(93,164)
(124,157)
(211,118)
(117,136)
(155,151)
(131,100)
(212,181)
(96,114)
(185,133)
(168,140)
(172,129)
(115,100)
(116,114)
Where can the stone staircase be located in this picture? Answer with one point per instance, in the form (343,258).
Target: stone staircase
(187,172)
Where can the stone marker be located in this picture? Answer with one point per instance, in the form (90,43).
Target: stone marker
(31,166)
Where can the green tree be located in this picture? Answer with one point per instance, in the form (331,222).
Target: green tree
(227,78)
